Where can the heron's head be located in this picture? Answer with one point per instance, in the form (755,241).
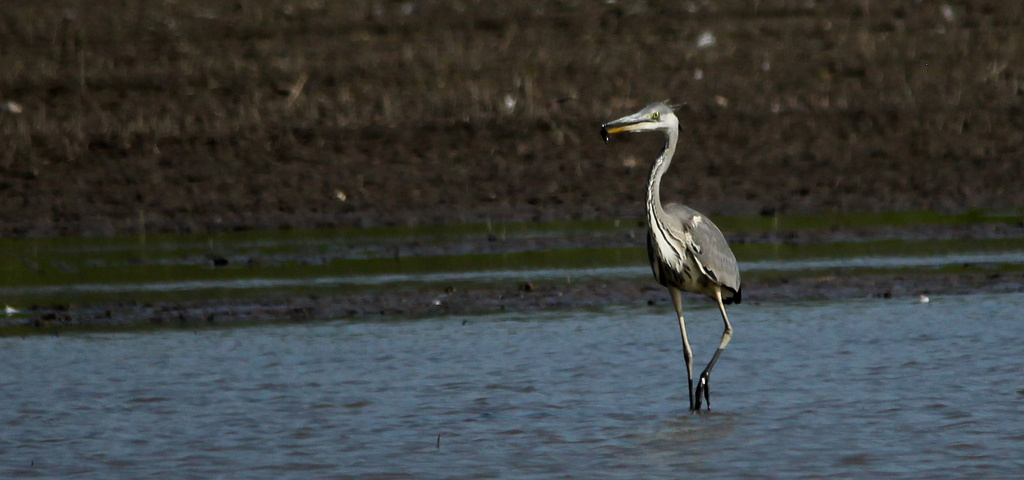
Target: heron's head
(655,117)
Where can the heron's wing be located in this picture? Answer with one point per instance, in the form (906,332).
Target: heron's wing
(707,244)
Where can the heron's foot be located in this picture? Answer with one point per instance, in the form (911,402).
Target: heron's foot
(703,390)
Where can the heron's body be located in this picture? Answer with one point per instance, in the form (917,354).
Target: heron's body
(686,250)
(704,266)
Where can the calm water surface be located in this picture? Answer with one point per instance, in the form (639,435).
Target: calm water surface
(857,389)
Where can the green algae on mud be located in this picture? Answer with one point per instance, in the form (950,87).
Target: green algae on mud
(171,267)
(847,221)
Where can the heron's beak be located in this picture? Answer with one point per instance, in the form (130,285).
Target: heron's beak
(624,124)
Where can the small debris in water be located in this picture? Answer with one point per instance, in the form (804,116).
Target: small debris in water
(923,299)
(439,300)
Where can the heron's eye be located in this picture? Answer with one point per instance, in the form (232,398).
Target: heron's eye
(655,115)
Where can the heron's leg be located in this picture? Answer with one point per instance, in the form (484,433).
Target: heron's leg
(702,383)
(677,301)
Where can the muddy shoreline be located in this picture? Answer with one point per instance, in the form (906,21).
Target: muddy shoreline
(442,300)
(191,117)
(520,297)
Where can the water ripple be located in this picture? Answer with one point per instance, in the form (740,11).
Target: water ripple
(864,389)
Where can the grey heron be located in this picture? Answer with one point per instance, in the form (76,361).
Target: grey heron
(686,250)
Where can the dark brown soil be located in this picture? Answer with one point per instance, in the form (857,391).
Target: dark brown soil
(193,116)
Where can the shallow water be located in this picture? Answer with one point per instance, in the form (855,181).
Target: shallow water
(854,389)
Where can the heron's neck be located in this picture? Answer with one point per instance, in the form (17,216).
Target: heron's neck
(661,164)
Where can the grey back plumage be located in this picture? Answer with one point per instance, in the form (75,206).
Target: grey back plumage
(697,236)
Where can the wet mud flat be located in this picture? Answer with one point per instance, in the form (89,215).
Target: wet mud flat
(522,298)
(521,293)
